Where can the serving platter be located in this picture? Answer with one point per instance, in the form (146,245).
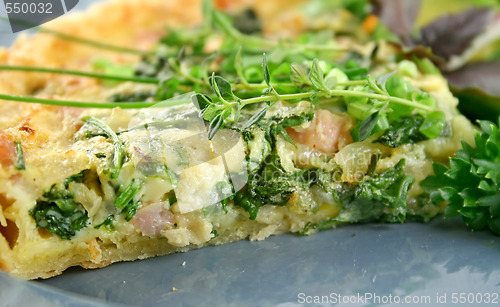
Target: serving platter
(354,265)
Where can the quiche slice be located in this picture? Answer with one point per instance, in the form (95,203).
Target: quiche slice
(301,141)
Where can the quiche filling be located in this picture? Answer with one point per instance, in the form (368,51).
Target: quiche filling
(301,139)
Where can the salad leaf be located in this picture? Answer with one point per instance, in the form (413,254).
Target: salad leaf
(476,87)
(444,39)
(480,75)
(399,16)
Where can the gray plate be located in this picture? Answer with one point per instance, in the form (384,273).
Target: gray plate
(364,264)
(440,262)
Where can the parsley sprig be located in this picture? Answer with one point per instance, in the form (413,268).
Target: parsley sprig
(471,184)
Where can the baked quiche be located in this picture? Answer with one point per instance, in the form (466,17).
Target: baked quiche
(209,124)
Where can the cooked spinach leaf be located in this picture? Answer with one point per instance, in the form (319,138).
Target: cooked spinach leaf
(75,178)
(272,185)
(107,223)
(125,201)
(118,153)
(59,213)
(413,129)
(404,131)
(381,198)
(269,182)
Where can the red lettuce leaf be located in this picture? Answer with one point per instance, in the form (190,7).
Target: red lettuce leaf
(481,75)
(398,15)
(477,86)
(453,34)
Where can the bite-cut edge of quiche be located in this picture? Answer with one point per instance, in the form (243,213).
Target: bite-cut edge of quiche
(89,187)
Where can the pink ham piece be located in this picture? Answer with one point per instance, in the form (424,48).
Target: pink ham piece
(152,219)
(327,133)
(7,151)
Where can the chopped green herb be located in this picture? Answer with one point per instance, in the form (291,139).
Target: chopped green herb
(413,129)
(118,153)
(471,184)
(125,201)
(380,198)
(312,228)
(58,213)
(107,223)
(75,178)
(20,163)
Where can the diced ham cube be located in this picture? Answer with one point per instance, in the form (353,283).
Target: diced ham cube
(327,133)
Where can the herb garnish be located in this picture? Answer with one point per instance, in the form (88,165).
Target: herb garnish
(413,129)
(226,109)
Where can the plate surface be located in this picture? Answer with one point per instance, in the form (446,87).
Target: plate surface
(356,265)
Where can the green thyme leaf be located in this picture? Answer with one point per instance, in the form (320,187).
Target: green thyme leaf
(238,66)
(316,77)
(298,74)
(257,117)
(215,125)
(265,70)
(368,125)
(221,87)
(201,101)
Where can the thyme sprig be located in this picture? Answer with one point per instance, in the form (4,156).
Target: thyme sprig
(296,71)
(226,109)
(81,74)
